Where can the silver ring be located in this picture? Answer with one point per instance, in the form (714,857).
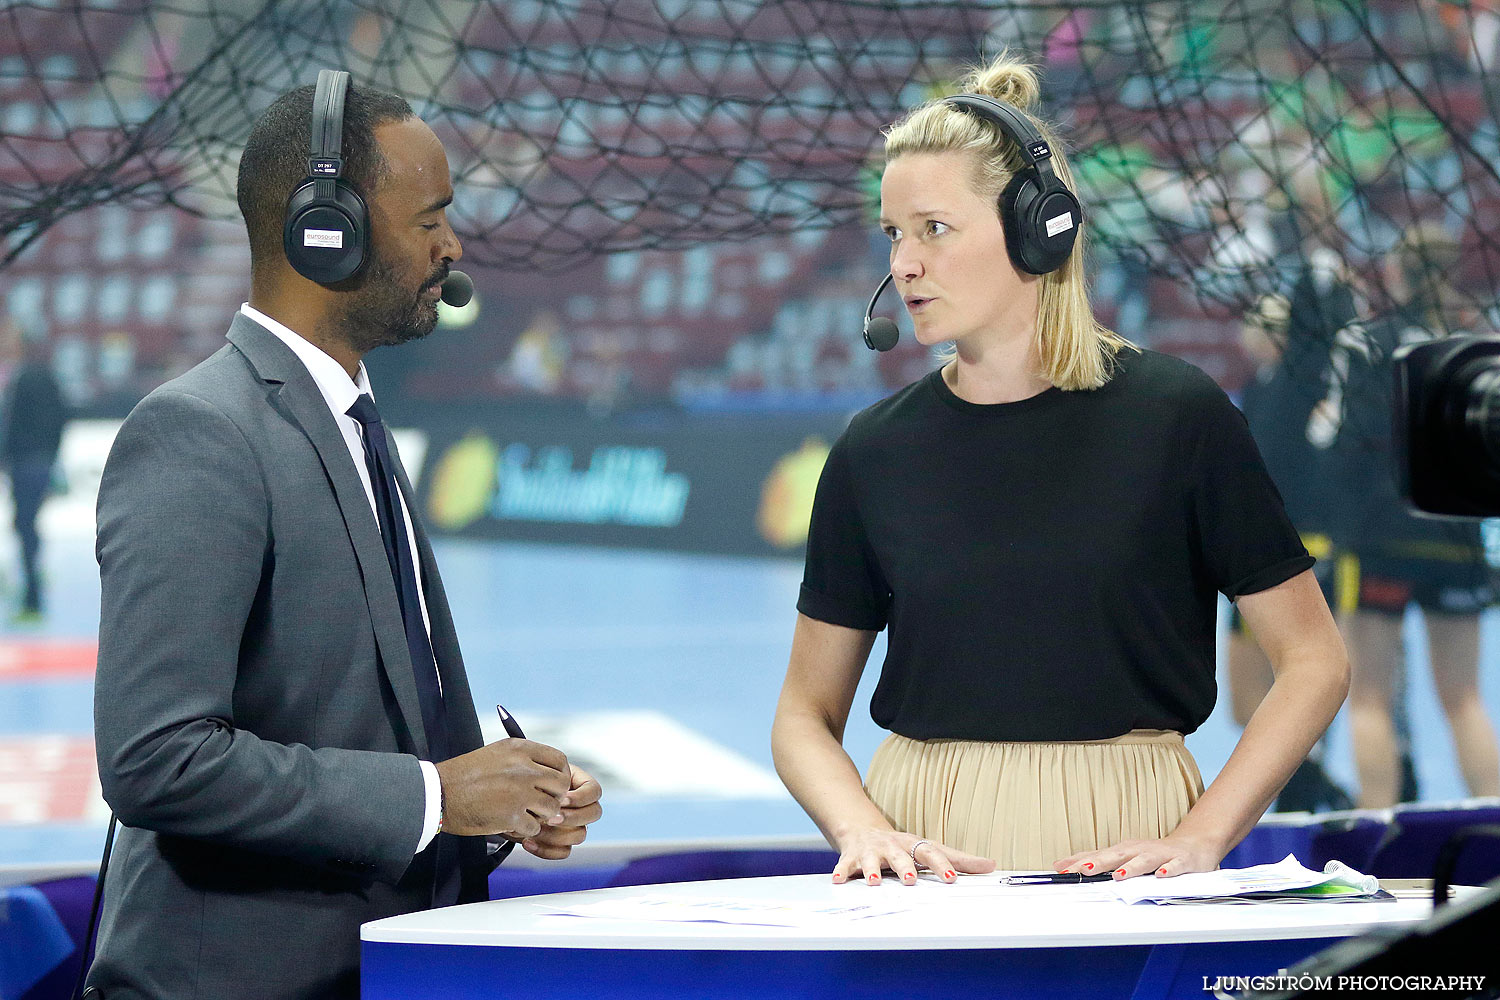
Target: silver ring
(913,851)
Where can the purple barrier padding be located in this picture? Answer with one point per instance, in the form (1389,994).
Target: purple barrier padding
(1405,847)
(1350,839)
(507,883)
(32,939)
(1266,845)
(70,899)
(1411,845)
(696,866)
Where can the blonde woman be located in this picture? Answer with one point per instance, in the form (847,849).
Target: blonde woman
(1043,524)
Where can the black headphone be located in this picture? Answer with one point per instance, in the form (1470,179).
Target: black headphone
(327,226)
(1038,212)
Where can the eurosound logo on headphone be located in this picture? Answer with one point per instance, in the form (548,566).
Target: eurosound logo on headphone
(333,239)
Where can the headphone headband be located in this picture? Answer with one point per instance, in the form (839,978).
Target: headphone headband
(326,155)
(1019,127)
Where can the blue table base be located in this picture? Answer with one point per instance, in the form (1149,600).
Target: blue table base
(436,972)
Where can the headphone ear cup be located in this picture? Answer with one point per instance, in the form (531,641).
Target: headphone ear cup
(1018,194)
(326,240)
(1040,228)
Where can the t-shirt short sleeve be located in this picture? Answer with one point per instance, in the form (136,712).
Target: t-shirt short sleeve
(1243,534)
(842,583)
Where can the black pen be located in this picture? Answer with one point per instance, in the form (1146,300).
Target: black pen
(512,727)
(1058,878)
(502,849)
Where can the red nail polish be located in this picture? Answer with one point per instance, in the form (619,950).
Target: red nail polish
(1120,872)
(1161,871)
(1089,865)
(950,873)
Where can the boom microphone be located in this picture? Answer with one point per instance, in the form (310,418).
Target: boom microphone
(458,289)
(881,333)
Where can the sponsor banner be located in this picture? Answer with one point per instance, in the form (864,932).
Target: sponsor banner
(686,483)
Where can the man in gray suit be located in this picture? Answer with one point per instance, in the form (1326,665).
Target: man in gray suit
(275,684)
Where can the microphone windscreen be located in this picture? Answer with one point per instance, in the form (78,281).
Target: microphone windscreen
(458,289)
(882,333)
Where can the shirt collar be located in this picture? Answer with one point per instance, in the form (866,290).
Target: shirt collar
(339,390)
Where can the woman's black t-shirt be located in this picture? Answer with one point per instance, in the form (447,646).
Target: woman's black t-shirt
(1047,567)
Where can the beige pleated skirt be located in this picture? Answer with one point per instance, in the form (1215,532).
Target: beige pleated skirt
(1027,805)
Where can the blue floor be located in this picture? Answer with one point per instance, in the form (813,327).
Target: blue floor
(555,632)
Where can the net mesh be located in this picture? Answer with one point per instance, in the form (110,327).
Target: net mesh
(699,177)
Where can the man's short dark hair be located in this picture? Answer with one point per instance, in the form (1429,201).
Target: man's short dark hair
(275,157)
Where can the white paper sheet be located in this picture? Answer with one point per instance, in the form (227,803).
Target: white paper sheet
(1285,874)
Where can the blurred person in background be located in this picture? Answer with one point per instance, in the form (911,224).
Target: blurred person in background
(1323,296)
(1044,523)
(1276,403)
(31,429)
(1437,564)
(1242,246)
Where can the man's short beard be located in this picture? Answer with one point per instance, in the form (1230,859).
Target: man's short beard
(383,314)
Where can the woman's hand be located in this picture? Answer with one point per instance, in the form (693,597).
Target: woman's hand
(871,852)
(1171,855)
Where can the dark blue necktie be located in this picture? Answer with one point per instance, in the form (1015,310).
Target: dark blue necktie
(447,879)
(403,571)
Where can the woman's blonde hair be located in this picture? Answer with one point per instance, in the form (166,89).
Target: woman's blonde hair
(1078,352)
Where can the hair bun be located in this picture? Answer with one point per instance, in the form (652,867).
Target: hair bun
(1007,79)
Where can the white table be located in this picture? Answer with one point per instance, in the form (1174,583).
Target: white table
(970,939)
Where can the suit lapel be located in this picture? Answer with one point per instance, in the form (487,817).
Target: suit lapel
(303,402)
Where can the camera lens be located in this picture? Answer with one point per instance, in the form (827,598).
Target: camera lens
(1482,412)
(1447,425)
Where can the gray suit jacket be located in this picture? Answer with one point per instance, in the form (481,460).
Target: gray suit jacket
(256,717)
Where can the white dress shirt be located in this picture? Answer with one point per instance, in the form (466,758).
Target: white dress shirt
(340,392)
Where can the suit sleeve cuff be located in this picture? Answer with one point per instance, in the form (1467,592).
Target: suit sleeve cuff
(433,813)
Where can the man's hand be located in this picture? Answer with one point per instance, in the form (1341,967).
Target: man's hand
(565,830)
(511,786)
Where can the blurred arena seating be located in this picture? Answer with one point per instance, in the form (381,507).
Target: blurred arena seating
(133,291)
